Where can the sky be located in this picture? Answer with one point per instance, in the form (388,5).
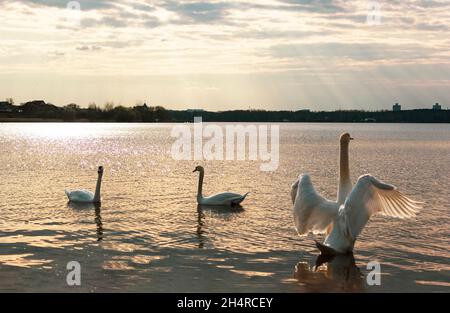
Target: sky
(218,55)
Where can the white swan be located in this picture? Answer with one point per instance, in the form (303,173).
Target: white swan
(221,199)
(84,196)
(344,222)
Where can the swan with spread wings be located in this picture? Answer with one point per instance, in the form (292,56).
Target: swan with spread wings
(343,222)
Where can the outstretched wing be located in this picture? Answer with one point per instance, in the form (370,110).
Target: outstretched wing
(312,212)
(372,196)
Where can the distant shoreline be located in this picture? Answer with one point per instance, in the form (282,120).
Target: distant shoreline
(39,111)
(49,121)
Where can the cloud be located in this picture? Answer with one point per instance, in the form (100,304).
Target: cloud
(88,48)
(318,6)
(85,4)
(353,51)
(107,21)
(198,12)
(432,27)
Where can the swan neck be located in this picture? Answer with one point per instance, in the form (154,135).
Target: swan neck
(200,185)
(344,168)
(345,184)
(97,196)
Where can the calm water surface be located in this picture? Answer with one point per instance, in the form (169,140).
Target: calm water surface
(149,234)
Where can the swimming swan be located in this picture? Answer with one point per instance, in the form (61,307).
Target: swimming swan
(84,196)
(226,198)
(342,223)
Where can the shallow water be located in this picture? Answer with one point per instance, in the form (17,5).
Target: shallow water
(149,234)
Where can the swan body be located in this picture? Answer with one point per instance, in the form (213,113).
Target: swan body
(221,199)
(226,198)
(343,222)
(85,196)
(80,196)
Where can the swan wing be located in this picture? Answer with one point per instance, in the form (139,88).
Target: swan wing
(371,196)
(312,212)
(225,198)
(80,196)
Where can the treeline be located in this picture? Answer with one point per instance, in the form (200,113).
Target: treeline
(349,116)
(41,111)
(93,113)
(121,114)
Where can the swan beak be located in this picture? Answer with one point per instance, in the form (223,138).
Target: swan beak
(351,138)
(194,171)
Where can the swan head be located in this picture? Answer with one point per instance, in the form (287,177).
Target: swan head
(100,170)
(199,169)
(346,138)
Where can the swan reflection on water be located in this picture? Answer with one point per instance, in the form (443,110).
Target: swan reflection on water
(97,208)
(337,273)
(224,211)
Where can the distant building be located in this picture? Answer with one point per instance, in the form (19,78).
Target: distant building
(397,107)
(437,107)
(6,107)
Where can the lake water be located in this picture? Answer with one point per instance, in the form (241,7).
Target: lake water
(149,234)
